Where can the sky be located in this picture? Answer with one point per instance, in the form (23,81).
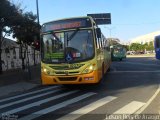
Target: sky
(130,18)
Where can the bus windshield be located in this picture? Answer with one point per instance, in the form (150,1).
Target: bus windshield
(67,46)
(117,50)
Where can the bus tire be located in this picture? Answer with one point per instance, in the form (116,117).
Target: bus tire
(109,69)
(102,72)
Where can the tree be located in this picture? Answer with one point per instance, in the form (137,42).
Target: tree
(27,32)
(22,25)
(114,41)
(150,46)
(9,13)
(126,47)
(140,47)
(136,47)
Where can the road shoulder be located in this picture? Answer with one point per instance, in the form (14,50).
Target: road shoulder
(17,87)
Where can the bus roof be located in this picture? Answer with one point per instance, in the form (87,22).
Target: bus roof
(71,18)
(68,23)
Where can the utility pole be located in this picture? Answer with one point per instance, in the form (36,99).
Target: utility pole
(37,11)
(37,7)
(1,38)
(35,39)
(0,49)
(110,33)
(110,30)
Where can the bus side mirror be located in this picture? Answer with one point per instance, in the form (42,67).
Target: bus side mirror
(98,31)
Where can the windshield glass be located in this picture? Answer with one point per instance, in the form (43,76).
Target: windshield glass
(69,46)
(117,50)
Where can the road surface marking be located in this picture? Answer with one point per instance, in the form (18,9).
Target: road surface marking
(157,71)
(86,109)
(38,103)
(141,64)
(127,110)
(130,108)
(149,101)
(41,90)
(57,106)
(29,98)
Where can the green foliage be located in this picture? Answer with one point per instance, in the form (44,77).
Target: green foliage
(140,47)
(23,25)
(28,30)
(135,46)
(150,46)
(9,14)
(126,47)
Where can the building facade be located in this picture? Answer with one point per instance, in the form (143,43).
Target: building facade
(12,54)
(145,38)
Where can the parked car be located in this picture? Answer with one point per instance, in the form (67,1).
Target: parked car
(131,52)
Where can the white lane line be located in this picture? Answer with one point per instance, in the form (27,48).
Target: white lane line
(157,71)
(86,109)
(38,103)
(57,106)
(141,64)
(29,98)
(149,101)
(130,108)
(41,90)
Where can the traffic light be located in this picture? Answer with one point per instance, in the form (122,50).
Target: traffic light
(37,45)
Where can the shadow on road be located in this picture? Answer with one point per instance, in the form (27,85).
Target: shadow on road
(124,75)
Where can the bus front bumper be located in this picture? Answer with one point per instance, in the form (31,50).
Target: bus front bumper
(70,79)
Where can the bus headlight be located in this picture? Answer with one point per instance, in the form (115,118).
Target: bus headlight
(46,71)
(89,69)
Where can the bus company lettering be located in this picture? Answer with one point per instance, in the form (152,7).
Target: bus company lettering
(75,66)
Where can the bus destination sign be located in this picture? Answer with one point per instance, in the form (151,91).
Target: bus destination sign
(66,24)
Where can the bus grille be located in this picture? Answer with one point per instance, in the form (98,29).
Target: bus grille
(62,72)
(67,67)
(67,78)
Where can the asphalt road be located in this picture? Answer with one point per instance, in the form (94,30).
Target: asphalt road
(126,89)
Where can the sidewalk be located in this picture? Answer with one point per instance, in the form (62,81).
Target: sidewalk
(141,55)
(14,88)
(19,80)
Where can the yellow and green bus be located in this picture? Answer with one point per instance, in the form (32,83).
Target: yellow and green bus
(73,51)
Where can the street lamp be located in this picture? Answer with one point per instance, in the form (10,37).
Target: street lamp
(110,33)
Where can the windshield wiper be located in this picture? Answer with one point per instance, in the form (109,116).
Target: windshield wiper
(72,35)
(55,36)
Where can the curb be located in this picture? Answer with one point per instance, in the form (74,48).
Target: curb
(14,88)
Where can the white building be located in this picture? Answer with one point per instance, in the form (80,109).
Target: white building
(145,38)
(11,55)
